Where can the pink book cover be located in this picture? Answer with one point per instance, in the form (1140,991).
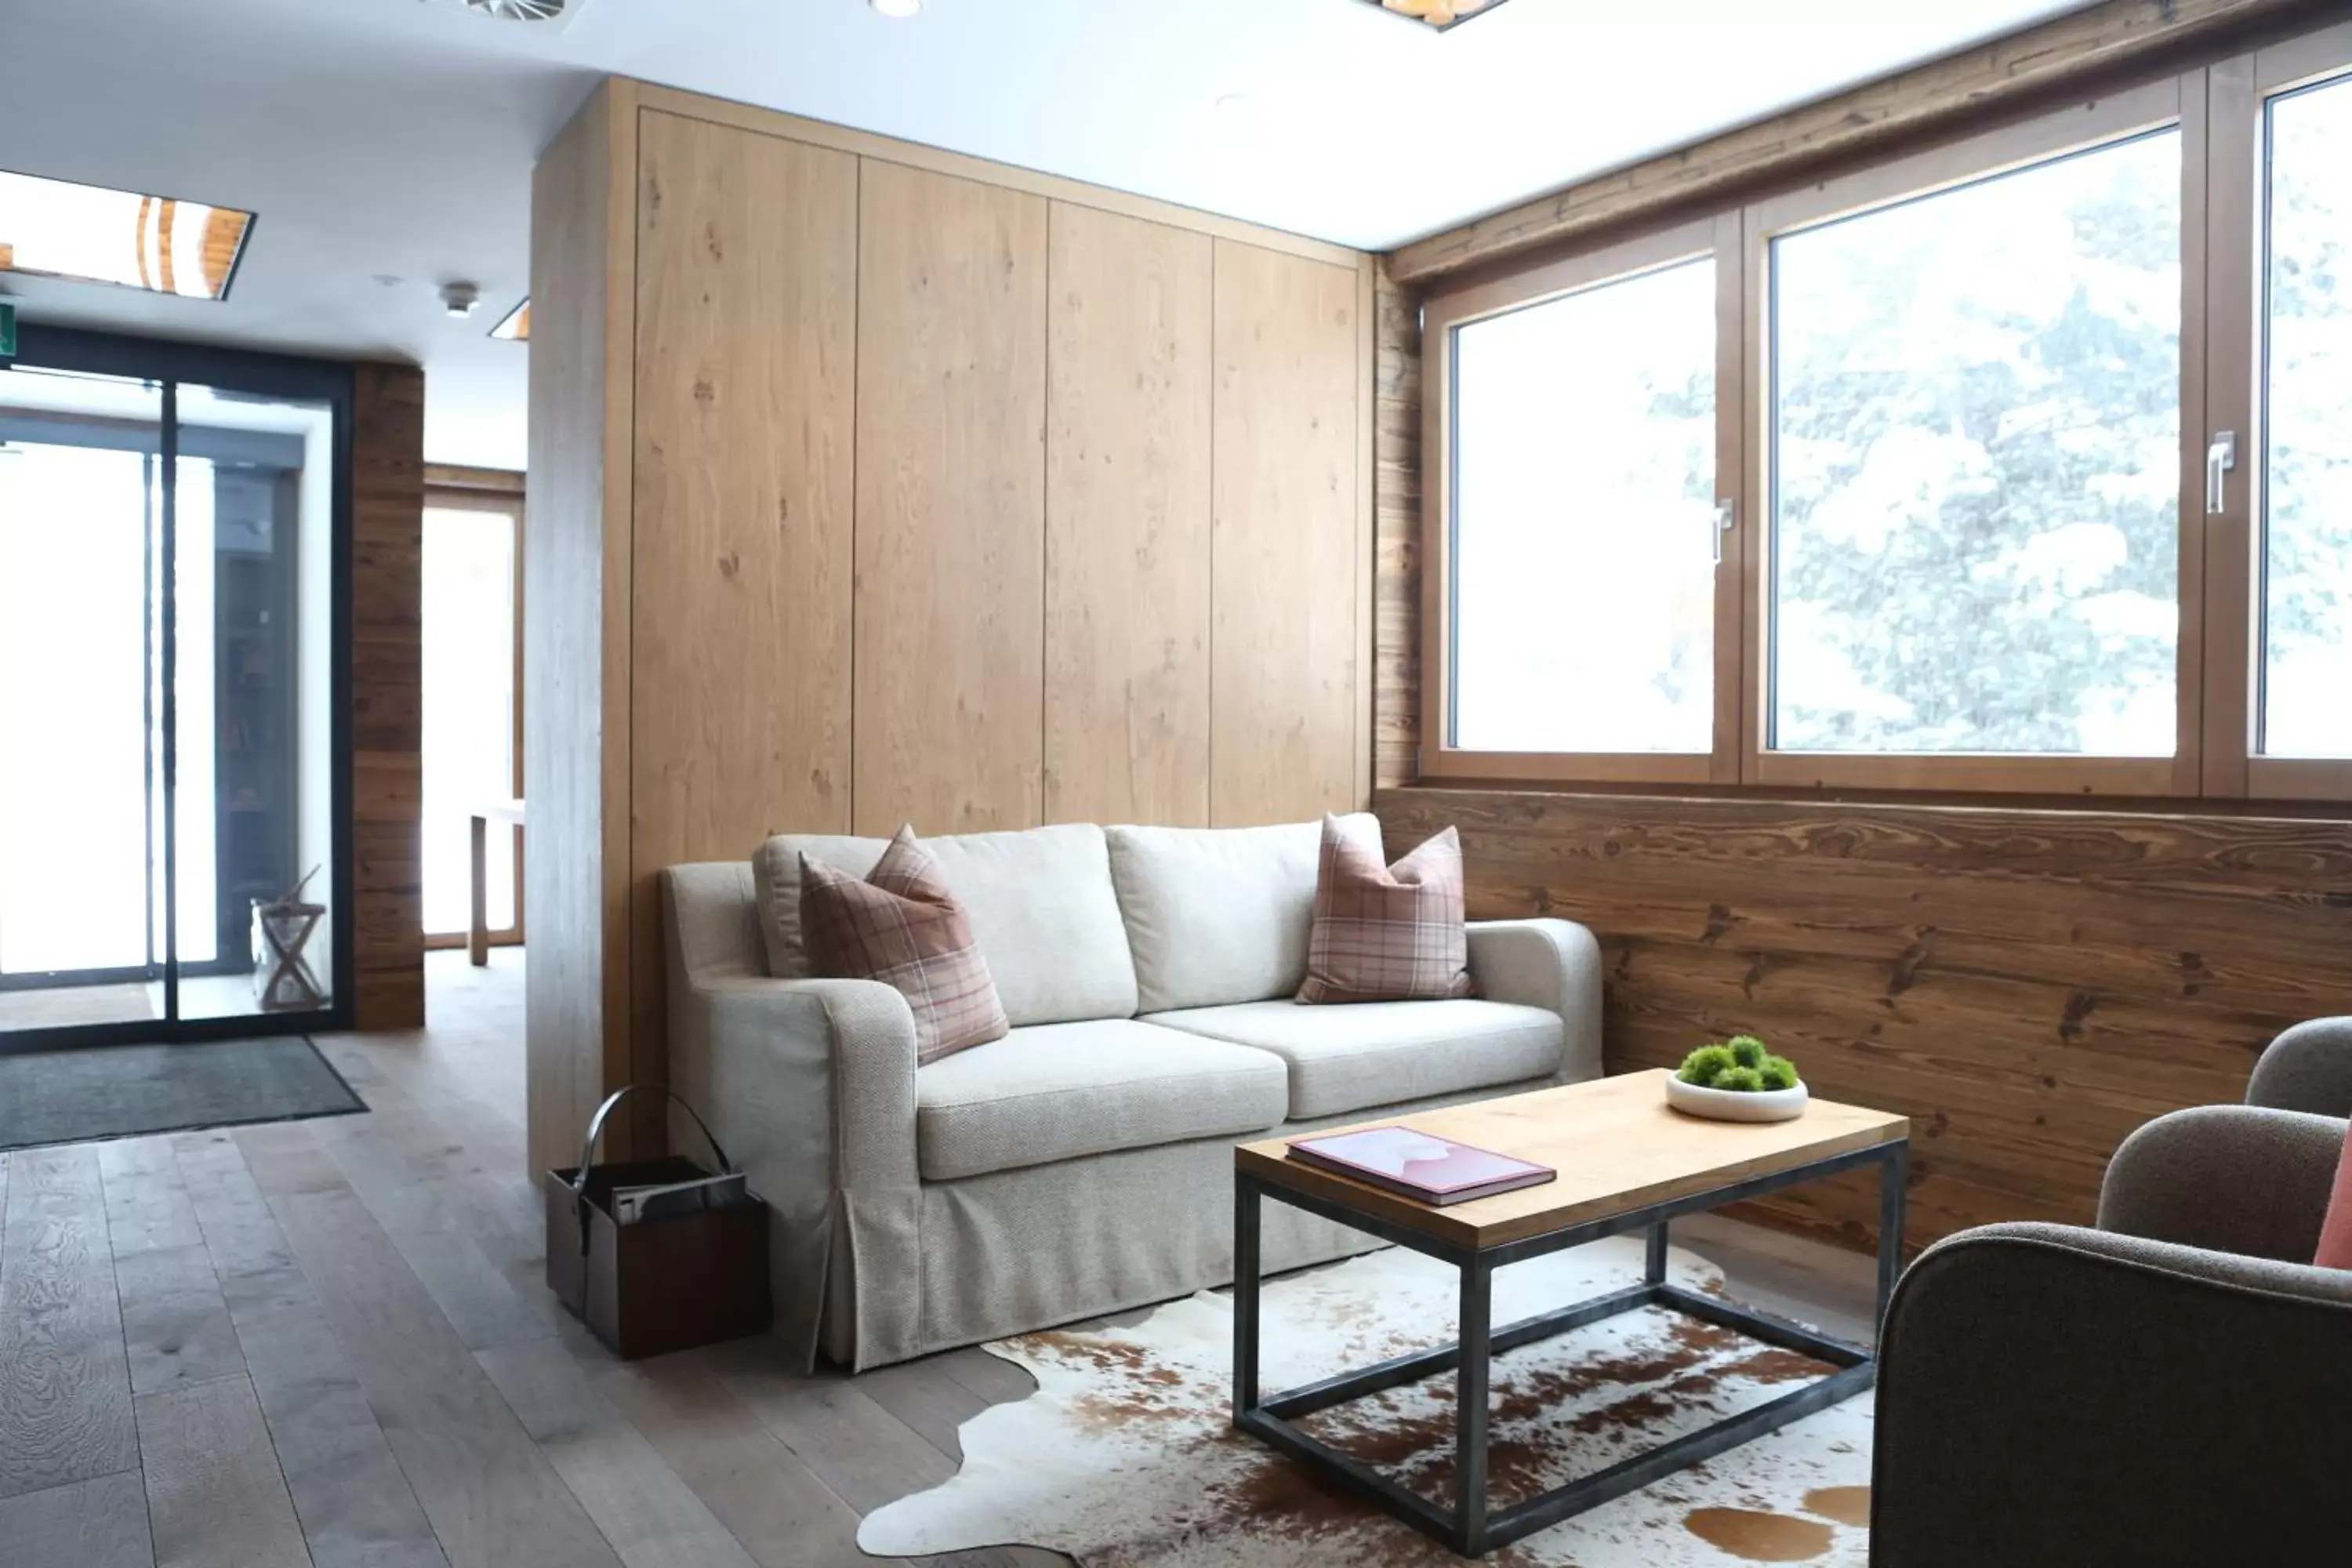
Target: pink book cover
(1419,1164)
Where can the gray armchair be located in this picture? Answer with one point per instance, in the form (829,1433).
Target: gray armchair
(2174,1387)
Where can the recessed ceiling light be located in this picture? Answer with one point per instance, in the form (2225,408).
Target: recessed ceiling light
(1232,103)
(90,234)
(516,328)
(897,8)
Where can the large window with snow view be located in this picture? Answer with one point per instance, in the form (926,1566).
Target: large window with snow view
(2019,463)
(1975,473)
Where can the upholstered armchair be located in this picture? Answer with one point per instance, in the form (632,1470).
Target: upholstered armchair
(2174,1387)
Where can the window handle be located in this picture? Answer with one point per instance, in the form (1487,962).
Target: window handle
(2221,457)
(1726,518)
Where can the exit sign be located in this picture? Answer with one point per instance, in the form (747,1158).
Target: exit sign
(7,330)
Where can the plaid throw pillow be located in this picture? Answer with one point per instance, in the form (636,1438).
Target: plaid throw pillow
(1387,933)
(903,927)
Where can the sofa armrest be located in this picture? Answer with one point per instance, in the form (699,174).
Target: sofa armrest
(1549,963)
(2308,1068)
(2232,1178)
(810,1086)
(2054,1395)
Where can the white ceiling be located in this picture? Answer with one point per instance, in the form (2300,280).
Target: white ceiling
(395,138)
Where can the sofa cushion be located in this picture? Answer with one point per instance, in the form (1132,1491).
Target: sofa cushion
(1057,1091)
(1387,933)
(904,926)
(1219,915)
(1379,1053)
(1041,905)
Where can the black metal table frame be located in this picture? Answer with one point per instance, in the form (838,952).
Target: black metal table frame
(1469,1527)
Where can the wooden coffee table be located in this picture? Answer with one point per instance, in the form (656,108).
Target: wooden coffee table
(1626,1162)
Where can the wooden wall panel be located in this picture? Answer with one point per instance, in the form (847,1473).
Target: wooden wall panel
(385,900)
(2029,987)
(746,345)
(949,682)
(1396,481)
(576,633)
(1127,522)
(1285,655)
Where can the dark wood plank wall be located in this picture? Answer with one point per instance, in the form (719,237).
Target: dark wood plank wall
(385,902)
(2028,985)
(1396,531)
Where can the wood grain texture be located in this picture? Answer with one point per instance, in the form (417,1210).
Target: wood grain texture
(386,900)
(1127,522)
(2027,986)
(1397,525)
(214,1496)
(745,347)
(2032,67)
(63,1384)
(950,503)
(577,654)
(97,1523)
(1286,659)
(1614,1141)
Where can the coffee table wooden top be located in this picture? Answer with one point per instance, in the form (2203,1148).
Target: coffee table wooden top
(1616,1143)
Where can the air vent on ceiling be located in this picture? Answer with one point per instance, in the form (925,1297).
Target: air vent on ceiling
(519,10)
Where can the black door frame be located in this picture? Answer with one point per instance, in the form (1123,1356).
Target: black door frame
(169,364)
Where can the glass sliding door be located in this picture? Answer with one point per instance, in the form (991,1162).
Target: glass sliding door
(80,768)
(472,565)
(171,661)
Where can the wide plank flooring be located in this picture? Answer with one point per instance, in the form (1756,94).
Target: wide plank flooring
(326,1343)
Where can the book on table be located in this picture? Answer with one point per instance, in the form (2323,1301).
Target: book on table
(1418,1165)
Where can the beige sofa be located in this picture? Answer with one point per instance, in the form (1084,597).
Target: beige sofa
(1083,1164)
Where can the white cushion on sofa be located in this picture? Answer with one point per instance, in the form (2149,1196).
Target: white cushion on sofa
(1370,1054)
(1218,915)
(1041,904)
(1058,1092)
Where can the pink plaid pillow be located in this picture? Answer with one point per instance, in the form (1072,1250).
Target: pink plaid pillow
(903,927)
(1387,933)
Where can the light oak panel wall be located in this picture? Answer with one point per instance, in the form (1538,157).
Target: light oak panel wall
(1396,481)
(1126,520)
(577,636)
(950,503)
(1288,582)
(746,345)
(874,484)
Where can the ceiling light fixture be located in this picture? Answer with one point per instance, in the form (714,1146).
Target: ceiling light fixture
(460,299)
(516,327)
(1438,14)
(91,234)
(895,7)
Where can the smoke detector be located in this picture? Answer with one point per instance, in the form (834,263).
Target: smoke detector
(521,10)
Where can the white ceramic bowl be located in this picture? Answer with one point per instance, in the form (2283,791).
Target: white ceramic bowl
(1735,1105)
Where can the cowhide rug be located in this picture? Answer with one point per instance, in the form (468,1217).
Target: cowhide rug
(1124,1458)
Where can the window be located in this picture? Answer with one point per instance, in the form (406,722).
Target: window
(91,234)
(1976,429)
(1581,595)
(2020,464)
(1584,509)
(2306,708)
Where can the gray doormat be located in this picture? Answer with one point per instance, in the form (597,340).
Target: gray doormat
(122,1092)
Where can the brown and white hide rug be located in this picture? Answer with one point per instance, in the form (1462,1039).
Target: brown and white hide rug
(1125,1456)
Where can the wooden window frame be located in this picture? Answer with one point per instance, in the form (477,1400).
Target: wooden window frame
(492,492)
(2237,304)
(2155,107)
(2220,109)
(1717,236)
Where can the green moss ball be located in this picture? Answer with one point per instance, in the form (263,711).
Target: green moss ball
(1741,1081)
(1777,1072)
(1707,1064)
(1746,1050)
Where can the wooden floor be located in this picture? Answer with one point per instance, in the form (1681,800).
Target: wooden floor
(326,1343)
